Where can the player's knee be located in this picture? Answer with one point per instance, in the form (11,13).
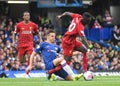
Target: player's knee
(61,59)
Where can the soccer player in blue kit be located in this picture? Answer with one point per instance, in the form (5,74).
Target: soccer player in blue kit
(50,51)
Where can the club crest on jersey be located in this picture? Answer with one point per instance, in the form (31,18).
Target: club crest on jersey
(30,28)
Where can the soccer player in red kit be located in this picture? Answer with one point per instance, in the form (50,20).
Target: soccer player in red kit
(25,30)
(69,42)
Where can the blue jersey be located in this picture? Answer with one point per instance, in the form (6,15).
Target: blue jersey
(48,51)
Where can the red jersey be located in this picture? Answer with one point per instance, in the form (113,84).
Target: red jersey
(26,33)
(76,28)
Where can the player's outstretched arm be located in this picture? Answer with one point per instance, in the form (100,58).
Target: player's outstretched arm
(40,36)
(31,61)
(64,14)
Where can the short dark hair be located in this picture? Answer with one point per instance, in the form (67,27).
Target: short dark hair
(86,18)
(50,31)
(86,14)
(26,12)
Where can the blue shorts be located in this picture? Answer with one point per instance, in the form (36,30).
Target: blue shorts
(62,73)
(49,65)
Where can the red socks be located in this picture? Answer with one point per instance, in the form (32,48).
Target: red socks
(27,72)
(55,69)
(85,62)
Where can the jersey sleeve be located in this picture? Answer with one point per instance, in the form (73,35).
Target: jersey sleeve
(39,48)
(35,28)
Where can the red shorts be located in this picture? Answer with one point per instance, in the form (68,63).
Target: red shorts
(69,48)
(25,50)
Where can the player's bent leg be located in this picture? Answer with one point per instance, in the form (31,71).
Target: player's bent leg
(56,63)
(28,61)
(63,65)
(57,68)
(83,49)
(85,62)
(63,74)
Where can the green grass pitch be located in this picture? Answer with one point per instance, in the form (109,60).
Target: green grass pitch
(97,81)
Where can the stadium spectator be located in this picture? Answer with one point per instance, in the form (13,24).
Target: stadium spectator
(107,19)
(99,18)
(44,20)
(97,25)
(38,20)
(115,35)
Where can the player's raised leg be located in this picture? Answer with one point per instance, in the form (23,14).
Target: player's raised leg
(81,48)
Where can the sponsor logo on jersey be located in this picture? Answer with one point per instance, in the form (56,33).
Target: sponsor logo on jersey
(26,32)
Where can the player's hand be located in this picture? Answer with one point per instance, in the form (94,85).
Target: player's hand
(59,16)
